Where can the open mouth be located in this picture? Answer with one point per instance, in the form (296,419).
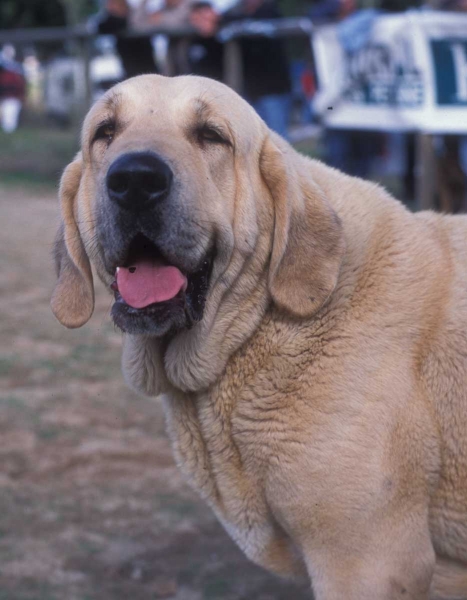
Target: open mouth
(153,296)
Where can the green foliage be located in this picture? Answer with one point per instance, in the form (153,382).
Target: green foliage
(79,10)
(31,13)
(44,13)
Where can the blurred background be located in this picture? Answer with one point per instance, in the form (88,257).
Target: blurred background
(91,504)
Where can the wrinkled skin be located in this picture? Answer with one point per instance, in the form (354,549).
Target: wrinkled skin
(319,401)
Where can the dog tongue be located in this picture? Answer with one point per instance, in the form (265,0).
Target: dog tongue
(147,282)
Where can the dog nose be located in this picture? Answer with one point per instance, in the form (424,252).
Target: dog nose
(136,181)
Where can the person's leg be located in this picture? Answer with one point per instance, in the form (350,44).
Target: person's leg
(10,109)
(337,149)
(365,146)
(409,174)
(274,110)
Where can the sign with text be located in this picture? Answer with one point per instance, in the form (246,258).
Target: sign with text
(409,72)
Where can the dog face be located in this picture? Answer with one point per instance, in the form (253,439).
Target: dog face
(158,192)
(180,195)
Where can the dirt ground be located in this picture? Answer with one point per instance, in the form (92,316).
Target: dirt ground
(91,504)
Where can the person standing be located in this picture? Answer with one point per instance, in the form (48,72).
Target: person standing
(137,53)
(350,150)
(266,78)
(267,82)
(451,149)
(12,90)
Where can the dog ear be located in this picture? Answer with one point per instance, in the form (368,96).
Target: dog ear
(308,243)
(73,297)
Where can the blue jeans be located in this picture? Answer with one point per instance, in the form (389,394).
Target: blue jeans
(274,110)
(352,151)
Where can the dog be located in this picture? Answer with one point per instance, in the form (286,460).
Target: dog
(307,335)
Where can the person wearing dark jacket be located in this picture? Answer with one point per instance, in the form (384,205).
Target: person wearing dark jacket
(136,54)
(266,84)
(206,52)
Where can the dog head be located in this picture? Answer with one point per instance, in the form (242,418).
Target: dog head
(186,204)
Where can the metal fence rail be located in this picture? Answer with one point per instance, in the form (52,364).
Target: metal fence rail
(230,36)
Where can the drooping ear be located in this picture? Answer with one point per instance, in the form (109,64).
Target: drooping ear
(308,242)
(73,297)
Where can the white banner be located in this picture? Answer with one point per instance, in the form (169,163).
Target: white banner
(394,72)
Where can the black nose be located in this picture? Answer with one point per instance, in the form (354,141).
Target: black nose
(138,180)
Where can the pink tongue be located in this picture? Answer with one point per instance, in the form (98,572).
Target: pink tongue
(147,282)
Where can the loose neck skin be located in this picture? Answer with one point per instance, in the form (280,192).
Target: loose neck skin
(195,359)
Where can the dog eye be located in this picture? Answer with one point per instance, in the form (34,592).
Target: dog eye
(210,135)
(105,132)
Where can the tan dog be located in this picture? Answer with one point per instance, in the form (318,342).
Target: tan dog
(308,333)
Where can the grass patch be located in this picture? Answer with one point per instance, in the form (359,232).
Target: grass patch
(35,156)
(48,434)
(13,403)
(311,147)
(92,360)
(7,363)
(217,589)
(88,352)
(37,591)
(28,179)
(176,506)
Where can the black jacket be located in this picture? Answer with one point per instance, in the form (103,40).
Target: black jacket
(136,53)
(265,65)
